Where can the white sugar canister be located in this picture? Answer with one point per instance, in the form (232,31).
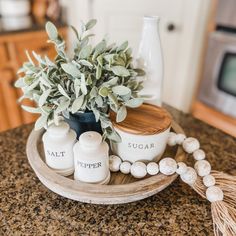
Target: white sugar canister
(144,133)
(58,142)
(91,159)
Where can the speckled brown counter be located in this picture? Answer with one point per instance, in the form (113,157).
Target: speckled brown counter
(29,208)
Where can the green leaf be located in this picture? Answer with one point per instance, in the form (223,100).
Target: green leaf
(83,85)
(70,69)
(62,106)
(32,85)
(49,62)
(112,81)
(109,57)
(41,122)
(100,47)
(98,72)
(140,72)
(99,101)
(38,58)
(77,104)
(93,93)
(113,99)
(90,24)
(77,87)
(62,91)
(85,63)
(85,52)
(121,114)
(135,102)
(31,109)
(120,90)
(114,137)
(29,58)
(20,83)
(51,30)
(97,114)
(129,52)
(75,31)
(100,60)
(105,123)
(120,71)
(103,91)
(123,46)
(44,97)
(89,80)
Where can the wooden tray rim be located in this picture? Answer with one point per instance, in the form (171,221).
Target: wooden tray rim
(98,194)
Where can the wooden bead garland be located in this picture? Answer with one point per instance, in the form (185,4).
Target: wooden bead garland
(199,155)
(114,163)
(125,167)
(189,177)
(138,169)
(223,207)
(168,166)
(181,168)
(190,145)
(209,180)
(152,168)
(203,168)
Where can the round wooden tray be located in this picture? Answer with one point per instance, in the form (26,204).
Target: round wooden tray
(121,188)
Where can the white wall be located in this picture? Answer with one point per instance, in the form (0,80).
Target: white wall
(122,19)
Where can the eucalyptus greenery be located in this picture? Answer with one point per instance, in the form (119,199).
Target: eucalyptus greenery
(97,79)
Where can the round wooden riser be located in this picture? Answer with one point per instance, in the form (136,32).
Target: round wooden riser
(121,188)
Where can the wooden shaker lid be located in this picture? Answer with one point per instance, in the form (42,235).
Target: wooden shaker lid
(144,120)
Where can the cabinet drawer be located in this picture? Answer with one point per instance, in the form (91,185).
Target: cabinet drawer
(39,45)
(10,110)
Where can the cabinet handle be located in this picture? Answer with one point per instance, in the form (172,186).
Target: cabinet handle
(12,84)
(171,27)
(44,48)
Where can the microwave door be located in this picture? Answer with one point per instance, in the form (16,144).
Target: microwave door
(218,86)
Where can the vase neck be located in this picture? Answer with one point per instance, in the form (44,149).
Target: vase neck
(151,21)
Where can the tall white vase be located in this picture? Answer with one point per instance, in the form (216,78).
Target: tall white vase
(151,60)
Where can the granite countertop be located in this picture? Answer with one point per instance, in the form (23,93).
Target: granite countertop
(29,208)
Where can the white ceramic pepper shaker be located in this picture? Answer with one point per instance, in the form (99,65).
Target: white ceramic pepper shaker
(91,159)
(58,143)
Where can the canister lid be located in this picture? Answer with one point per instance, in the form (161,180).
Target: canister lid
(90,139)
(61,129)
(144,120)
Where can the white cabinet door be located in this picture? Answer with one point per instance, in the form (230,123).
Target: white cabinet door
(122,20)
(182,23)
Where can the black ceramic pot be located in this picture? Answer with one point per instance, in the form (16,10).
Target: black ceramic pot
(83,122)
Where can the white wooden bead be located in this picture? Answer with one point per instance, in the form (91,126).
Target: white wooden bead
(181,168)
(172,133)
(190,176)
(199,155)
(202,167)
(191,144)
(214,194)
(171,141)
(138,169)
(168,166)
(180,138)
(114,163)
(152,168)
(125,167)
(209,180)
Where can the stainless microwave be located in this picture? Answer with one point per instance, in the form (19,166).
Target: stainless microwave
(218,86)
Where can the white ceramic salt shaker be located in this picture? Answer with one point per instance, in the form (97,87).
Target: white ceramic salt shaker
(91,159)
(58,142)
